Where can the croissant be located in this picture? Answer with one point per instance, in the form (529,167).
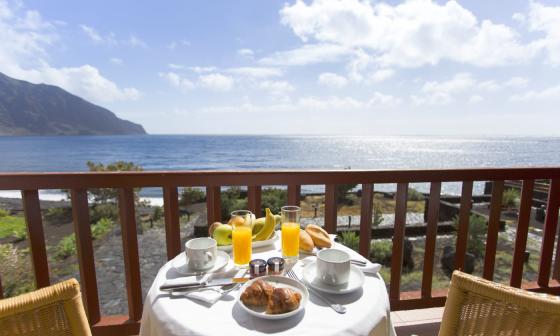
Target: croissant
(257,294)
(283,300)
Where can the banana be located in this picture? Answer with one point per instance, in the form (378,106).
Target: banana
(258,225)
(267,228)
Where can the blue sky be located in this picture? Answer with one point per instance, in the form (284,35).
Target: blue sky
(298,67)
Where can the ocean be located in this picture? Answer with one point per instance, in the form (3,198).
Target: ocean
(203,152)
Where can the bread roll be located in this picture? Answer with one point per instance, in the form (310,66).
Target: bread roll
(305,241)
(319,236)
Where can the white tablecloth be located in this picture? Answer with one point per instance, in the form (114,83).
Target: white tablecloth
(367,313)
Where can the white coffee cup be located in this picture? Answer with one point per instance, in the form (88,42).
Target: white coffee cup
(201,253)
(333,267)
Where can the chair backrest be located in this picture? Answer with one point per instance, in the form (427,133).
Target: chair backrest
(51,311)
(480,307)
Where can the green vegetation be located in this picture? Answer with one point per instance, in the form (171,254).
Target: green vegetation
(4,213)
(17,276)
(381,251)
(231,200)
(274,199)
(341,192)
(107,210)
(477,232)
(58,215)
(192,195)
(414,195)
(377,216)
(510,198)
(12,226)
(158,213)
(351,240)
(67,245)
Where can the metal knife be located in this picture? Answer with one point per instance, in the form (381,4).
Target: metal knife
(203,284)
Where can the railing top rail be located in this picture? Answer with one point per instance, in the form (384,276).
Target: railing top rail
(22,181)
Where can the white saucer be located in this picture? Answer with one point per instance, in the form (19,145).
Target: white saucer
(179,264)
(355,281)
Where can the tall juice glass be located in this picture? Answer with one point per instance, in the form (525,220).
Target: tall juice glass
(242,236)
(290,232)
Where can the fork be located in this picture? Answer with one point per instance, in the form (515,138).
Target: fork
(335,306)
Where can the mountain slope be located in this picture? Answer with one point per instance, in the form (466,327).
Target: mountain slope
(39,109)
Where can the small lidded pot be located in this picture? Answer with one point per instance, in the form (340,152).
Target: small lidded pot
(257,268)
(275,265)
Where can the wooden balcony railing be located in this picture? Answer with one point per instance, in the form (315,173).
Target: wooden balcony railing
(79,183)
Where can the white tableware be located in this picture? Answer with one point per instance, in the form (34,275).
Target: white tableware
(355,280)
(201,253)
(333,267)
(179,264)
(254,244)
(276,281)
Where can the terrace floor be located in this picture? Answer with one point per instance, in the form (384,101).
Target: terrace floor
(419,322)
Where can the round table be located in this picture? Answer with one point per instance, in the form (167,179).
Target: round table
(367,313)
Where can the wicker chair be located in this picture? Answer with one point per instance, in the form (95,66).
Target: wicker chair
(480,307)
(52,311)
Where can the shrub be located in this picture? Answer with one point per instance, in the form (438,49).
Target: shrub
(510,198)
(59,215)
(477,232)
(4,213)
(66,247)
(341,192)
(17,275)
(231,200)
(192,195)
(107,210)
(414,195)
(351,240)
(377,216)
(12,226)
(101,228)
(158,213)
(274,199)
(381,251)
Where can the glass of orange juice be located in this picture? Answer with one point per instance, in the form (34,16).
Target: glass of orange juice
(290,232)
(242,236)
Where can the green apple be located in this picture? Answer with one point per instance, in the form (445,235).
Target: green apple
(222,234)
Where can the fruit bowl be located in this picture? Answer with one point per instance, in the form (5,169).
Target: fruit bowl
(256,243)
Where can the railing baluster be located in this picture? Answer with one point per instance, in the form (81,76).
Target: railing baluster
(36,236)
(549,234)
(521,234)
(130,253)
(86,262)
(365,219)
(493,227)
(172,229)
(294,192)
(213,204)
(398,241)
(330,208)
(431,235)
(1,288)
(254,200)
(463,227)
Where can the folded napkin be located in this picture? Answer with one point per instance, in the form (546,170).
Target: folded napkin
(209,295)
(369,268)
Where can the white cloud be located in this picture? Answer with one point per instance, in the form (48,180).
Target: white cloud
(134,41)
(177,81)
(175,66)
(332,80)
(256,72)
(216,81)
(380,99)
(199,69)
(474,99)
(276,87)
(245,52)
(552,93)
(176,44)
(406,35)
(116,61)
(95,37)
(518,82)
(441,93)
(519,17)
(546,19)
(308,54)
(489,85)
(381,75)
(26,39)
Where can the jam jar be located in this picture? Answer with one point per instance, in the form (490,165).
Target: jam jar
(257,268)
(275,265)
